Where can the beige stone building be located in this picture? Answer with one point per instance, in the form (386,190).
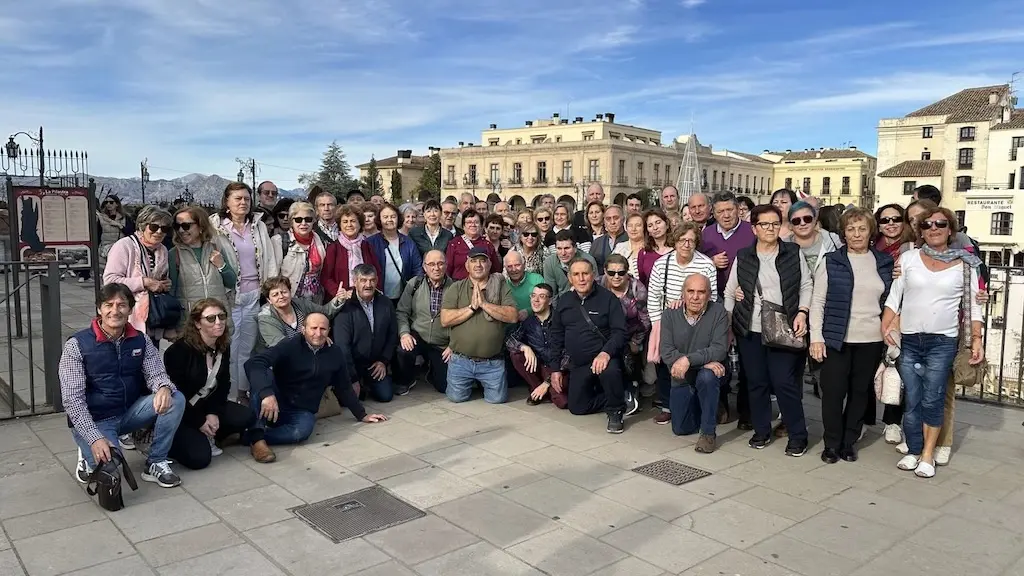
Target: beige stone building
(408,166)
(563,157)
(832,175)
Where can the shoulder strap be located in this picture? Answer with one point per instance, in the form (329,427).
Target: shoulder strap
(417,281)
(593,327)
(143,257)
(965,305)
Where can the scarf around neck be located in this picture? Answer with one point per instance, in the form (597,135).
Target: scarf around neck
(355,251)
(950,254)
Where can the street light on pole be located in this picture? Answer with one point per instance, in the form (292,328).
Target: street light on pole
(13,150)
(144,174)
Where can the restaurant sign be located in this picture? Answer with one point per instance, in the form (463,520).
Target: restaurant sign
(990,204)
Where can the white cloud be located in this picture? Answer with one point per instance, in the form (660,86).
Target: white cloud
(834,37)
(692,3)
(900,89)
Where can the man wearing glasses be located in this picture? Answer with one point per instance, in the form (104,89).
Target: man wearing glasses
(449,211)
(268,193)
(419,327)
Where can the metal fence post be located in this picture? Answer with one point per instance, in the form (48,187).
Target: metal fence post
(49,291)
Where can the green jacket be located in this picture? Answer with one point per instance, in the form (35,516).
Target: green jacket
(556,277)
(522,292)
(273,329)
(414,313)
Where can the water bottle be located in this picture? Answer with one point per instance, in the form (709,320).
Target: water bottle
(734,360)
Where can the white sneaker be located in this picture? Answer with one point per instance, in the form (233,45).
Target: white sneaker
(893,434)
(214,450)
(82,470)
(863,433)
(942,454)
(908,462)
(126,441)
(902,448)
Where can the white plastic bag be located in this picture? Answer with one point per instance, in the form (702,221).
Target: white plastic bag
(888,384)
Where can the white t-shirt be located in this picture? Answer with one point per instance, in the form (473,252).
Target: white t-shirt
(929,302)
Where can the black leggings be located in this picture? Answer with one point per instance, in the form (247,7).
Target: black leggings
(191,448)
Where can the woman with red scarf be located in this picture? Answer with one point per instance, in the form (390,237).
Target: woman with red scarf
(302,253)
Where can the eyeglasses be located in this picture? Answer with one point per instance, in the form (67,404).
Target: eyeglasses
(544,219)
(529,234)
(271,193)
(940,224)
(769,225)
(686,241)
(448,213)
(109,203)
(154,228)
(434,264)
(802,220)
(186,226)
(616,272)
(890,220)
(213,318)
(282,215)
(303,219)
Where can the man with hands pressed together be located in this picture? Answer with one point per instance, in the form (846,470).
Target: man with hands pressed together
(103,371)
(288,381)
(367,328)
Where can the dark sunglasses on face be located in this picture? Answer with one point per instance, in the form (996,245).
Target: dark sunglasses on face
(302,219)
(890,220)
(940,224)
(544,219)
(282,215)
(616,272)
(212,318)
(801,220)
(154,228)
(186,226)
(529,234)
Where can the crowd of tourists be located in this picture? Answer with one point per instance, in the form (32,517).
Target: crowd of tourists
(606,310)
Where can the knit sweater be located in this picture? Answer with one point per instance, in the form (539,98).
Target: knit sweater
(713,242)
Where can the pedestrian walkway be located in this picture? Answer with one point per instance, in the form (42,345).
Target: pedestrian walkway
(517,490)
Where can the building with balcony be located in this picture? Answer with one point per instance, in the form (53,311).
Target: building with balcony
(563,157)
(409,167)
(833,175)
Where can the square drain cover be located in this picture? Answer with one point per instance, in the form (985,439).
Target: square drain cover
(357,514)
(671,471)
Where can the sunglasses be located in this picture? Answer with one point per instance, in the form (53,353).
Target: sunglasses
(890,220)
(801,220)
(282,215)
(544,219)
(213,318)
(186,226)
(616,272)
(271,193)
(529,234)
(154,228)
(303,219)
(940,224)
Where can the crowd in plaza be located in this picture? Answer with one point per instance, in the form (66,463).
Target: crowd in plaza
(268,303)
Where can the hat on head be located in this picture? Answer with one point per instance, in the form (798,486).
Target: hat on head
(478,251)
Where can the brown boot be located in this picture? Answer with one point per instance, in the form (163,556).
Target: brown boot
(781,431)
(705,444)
(262,453)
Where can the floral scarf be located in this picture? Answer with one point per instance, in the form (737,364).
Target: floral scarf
(355,251)
(950,254)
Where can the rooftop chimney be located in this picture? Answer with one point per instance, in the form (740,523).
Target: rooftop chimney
(469,145)
(565,120)
(579,119)
(461,144)
(404,156)
(609,116)
(600,117)
(493,127)
(853,147)
(766,151)
(788,151)
(993,98)
(555,116)
(529,122)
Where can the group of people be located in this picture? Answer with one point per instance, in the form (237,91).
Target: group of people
(592,311)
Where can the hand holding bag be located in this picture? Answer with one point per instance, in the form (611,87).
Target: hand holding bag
(105,482)
(888,384)
(164,309)
(776,327)
(964,373)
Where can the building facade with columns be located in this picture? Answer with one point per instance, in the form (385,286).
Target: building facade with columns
(562,157)
(833,175)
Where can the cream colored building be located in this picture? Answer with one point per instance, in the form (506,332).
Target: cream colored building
(563,157)
(408,166)
(832,175)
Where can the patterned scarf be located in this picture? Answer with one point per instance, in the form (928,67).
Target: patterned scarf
(950,254)
(355,251)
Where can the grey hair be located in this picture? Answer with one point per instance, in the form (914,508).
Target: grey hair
(364,271)
(517,254)
(150,214)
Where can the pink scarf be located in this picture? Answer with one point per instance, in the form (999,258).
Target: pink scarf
(355,251)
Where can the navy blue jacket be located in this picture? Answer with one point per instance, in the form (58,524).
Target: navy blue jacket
(113,370)
(412,261)
(536,335)
(839,294)
(571,333)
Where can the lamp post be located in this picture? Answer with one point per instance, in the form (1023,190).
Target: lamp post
(13,149)
(187,197)
(247,165)
(144,174)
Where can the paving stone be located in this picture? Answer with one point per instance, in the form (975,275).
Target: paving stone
(796,484)
(505,443)
(664,545)
(566,552)
(9,565)
(464,427)
(997,514)
(425,414)
(232,477)
(188,544)
(735,562)
(875,507)
(846,535)
(63,551)
(406,437)
(476,560)
(717,486)
(353,450)
(802,557)
(575,507)
(421,539)
(254,508)
(982,545)
(5,544)
(391,568)
(302,550)
(630,566)
(507,478)
(912,491)
(316,479)
(715,462)
(57,439)
(991,485)
(654,497)
(429,487)
(495,519)
(917,559)
(52,520)
(27,460)
(131,566)
(862,477)
(573,468)
(18,436)
(734,523)
(161,517)
(464,460)
(243,560)
(1016,570)
(622,455)
(388,467)
(566,436)
(778,503)
(23,494)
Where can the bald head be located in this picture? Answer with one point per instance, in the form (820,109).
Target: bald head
(433,265)
(595,193)
(515,266)
(696,293)
(314,329)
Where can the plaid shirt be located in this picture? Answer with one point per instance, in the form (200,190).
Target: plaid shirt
(71,372)
(436,295)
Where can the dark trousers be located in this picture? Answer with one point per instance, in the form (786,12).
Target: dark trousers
(589,393)
(773,370)
(405,363)
(695,404)
(292,426)
(379,390)
(191,448)
(663,385)
(847,388)
(892,414)
(541,374)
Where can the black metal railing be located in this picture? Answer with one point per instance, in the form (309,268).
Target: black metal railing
(1004,340)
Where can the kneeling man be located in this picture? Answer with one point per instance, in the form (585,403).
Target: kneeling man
(694,345)
(287,382)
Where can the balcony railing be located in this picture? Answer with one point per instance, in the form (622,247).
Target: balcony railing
(515,181)
(470,181)
(1013,153)
(656,182)
(845,191)
(539,181)
(449,183)
(641,181)
(564,181)
(965,166)
(623,181)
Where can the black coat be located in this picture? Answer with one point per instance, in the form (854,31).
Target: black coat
(352,332)
(581,342)
(186,367)
(419,237)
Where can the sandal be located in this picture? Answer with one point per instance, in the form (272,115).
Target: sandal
(925,469)
(908,462)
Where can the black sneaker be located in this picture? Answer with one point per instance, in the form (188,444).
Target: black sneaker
(759,442)
(161,474)
(796,449)
(403,390)
(615,422)
(632,404)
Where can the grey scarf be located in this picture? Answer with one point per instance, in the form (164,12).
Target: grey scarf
(950,254)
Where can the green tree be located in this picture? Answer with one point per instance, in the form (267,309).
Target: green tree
(431,178)
(334,175)
(396,188)
(371,183)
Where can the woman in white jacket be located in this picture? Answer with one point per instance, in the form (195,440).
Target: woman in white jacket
(301,253)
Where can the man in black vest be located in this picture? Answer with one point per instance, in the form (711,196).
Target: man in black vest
(368,327)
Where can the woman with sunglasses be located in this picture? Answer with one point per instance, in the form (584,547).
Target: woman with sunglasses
(530,247)
(927,296)
(112,224)
(895,235)
(399,258)
(282,221)
(199,366)
(543,219)
(633,297)
(656,230)
(282,315)
(196,263)
(302,252)
(637,241)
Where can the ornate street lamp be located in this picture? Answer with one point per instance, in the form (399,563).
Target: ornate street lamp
(241,175)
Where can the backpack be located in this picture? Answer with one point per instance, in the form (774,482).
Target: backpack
(107,482)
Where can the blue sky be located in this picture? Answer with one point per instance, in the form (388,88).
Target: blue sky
(192,84)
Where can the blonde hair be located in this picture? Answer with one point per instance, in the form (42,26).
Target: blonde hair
(300,206)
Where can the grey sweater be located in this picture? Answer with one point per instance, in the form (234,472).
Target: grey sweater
(706,341)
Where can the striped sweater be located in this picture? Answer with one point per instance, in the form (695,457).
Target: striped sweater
(667,279)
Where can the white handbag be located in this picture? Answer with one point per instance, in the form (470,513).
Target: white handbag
(888,384)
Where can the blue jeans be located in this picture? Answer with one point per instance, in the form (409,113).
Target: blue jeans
(462,371)
(141,415)
(379,390)
(292,426)
(695,406)
(924,364)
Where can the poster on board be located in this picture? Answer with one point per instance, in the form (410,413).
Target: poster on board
(54,225)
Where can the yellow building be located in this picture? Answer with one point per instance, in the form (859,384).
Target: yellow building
(832,175)
(409,167)
(562,157)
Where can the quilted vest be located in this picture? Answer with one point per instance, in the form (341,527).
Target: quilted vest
(113,370)
(747,267)
(839,295)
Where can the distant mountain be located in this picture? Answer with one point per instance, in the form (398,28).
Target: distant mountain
(205,189)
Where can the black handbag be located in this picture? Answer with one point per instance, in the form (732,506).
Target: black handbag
(164,309)
(105,482)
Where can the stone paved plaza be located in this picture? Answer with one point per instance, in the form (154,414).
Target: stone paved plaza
(517,490)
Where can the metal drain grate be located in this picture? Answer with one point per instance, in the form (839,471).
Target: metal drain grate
(671,471)
(357,514)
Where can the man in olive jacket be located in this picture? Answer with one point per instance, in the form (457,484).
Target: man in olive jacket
(556,266)
(419,327)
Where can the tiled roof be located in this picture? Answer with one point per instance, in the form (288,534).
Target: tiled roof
(392,162)
(1016,122)
(834,154)
(914,169)
(752,157)
(970,105)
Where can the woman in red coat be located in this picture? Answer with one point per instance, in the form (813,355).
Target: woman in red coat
(349,251)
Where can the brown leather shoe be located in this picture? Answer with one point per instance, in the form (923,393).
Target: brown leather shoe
(262,453)
(705,444)
(663,418)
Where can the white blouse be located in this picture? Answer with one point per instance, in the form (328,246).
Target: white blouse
(929,302)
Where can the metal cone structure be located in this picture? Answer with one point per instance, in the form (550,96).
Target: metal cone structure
(688,183)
